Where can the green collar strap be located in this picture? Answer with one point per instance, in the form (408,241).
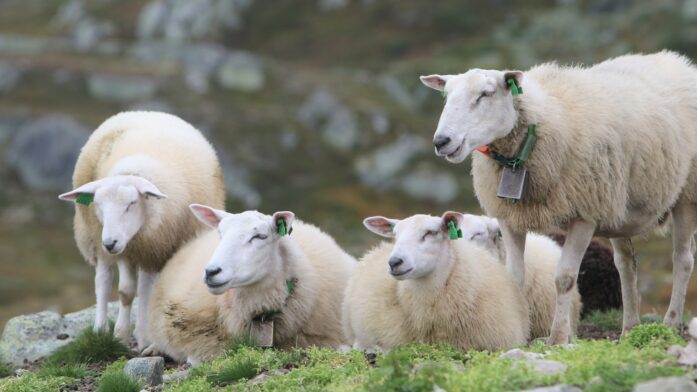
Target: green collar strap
(523,154)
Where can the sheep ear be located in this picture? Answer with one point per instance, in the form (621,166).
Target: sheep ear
(283,222)
(516,76)
(436,82)
(381,226)
(456,218)
(87,189)
(492,226)
(147,188)
(209,216)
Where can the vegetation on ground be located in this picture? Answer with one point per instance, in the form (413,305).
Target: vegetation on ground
(90,347)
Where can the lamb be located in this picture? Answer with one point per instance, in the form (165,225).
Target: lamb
(253,273)
(615,156)
(134,180)
(427,288)
(541,257)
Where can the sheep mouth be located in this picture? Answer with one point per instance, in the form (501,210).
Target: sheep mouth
(401,273)
(457,151)
(216,285)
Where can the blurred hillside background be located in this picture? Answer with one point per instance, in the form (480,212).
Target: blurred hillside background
(313,106)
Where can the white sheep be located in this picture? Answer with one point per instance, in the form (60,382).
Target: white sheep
(542,254)
(252,272)
(427,288)
(615,155)
(122,215)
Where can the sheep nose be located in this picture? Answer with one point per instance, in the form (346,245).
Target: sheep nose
(212,272)
(110,245)
(395,262)
(441,141)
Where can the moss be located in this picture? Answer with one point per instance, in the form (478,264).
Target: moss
(90,347)
(113,379)
(646,335)
(69,370)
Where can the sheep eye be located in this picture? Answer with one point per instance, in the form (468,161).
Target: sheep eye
(258,237)
(129,205)
(430,232)
(475,235)
(485,94)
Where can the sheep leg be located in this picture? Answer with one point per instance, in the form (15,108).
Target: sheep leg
(146,280)
(127,291)
(578,238)
(514,242)
(102,289)
(625,262)
(684,224)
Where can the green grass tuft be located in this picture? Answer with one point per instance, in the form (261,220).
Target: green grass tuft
(113,379)
(90,347)
(234,370)
(6,370)
(645,335)
(59,370)
(608,320)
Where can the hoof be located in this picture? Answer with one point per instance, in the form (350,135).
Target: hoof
(150,351)
(557,339)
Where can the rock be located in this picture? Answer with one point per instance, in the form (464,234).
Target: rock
(380,123)
(9,77)
(120,88)
(21,372)
(31,337)
(200,62)
(70,14)
(687,355)
(331,5)
(152,19)
(341,131)
(667,384)
(399,94)
(146,370)
(381,167)
(555,388)
(429,184)
(237,183)
(176,376)
(260,379)
(44,152)
(12,44)
(547,368)
(88,33)
(241,71)
(322,110)
(518,354)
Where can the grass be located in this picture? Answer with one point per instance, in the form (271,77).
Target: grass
(610,320)
(115,380)
(89,347)
(6,370)
(646,335)
(59,370)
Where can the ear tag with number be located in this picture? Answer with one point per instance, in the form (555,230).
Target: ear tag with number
(261,332)
(513,183)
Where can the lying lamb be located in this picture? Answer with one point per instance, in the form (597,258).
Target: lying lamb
(542,255)
(607,150)
(134,180)
(428,288)
(257,278)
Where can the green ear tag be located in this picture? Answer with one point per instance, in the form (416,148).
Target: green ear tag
(515,89)
(442,93)
(281,227)
(84,198)
(455,233)
(290,285)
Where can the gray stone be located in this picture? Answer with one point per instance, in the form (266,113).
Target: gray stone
(547,368)
(70,14)
(88,33)
(337,122)
(317,108)
(31,337)
(241,71)
(176,376)
(9,77)
(200,63)
(555,388)
(332,5)
(381,167)
(44,152)
(120,88)
(260,379)
(237,183)
(341,131)
(399,94)
(427,183)
(518,354)
(152,19)
(380,122)
(146,370)
(14,44)
(667,384)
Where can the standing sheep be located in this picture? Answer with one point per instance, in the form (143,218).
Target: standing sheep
(134,180)
(615,154)
(427,288)
(254,272)
(542,255)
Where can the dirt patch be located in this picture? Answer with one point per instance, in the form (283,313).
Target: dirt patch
(590,331)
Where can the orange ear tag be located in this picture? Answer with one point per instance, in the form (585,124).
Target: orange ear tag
(484,150)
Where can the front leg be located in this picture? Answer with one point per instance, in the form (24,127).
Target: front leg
(102,289)
(127,291)
(514,242)
(146,280)
(578,238)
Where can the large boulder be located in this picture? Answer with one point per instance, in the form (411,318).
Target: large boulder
(44,152)
(241,71)
(34,336)
(148,370)
(667,384)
